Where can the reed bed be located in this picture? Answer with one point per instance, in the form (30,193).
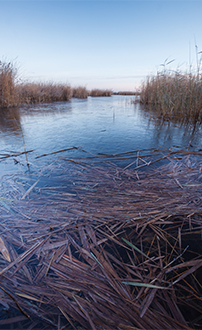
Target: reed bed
(14,93)
(174,96)
(8,94)
(100,92)
(103,247)
(80,92)
(126,93)
(31,93)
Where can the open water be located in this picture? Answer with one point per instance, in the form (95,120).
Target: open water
(98,125)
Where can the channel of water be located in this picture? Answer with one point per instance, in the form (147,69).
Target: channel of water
(98,125)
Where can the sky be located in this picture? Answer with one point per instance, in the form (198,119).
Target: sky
(99,44)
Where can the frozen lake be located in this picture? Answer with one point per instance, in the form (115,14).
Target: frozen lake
(98,125)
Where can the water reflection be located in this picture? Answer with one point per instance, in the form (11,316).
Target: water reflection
(10,121)
(183,136)
(46,109)
(98,125)
(171,134)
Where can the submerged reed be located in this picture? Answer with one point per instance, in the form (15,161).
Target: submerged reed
(103,247)
(174,96)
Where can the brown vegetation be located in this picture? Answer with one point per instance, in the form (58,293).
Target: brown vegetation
(174,96)
(100,92)
(30,93)
(13,93)
(8,95)
(126,93)
(80,92)
(111,248)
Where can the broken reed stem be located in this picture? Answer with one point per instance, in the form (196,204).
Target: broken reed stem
(106,238)
(16,154)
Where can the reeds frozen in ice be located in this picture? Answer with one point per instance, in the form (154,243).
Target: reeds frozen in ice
(174,96)
(105,247)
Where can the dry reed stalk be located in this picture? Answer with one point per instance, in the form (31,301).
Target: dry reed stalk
(80,92)
(102,243)
(174,96)
(15,154)
(8,93)
(31,93)
(100,92)
(55,152)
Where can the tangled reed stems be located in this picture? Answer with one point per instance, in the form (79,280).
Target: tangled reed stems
(8,94)
(31,93)
(175,96)
(100,92)
(103,247)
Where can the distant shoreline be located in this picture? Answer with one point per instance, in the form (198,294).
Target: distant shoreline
(14,93)
(126,93)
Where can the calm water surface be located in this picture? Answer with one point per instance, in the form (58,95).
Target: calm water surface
(99,125)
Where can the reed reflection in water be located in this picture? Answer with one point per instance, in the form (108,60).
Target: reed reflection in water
(98,125)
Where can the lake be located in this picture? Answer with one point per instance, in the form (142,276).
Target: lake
(57,208)
(98,125)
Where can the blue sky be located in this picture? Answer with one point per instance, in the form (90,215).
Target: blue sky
(99,44)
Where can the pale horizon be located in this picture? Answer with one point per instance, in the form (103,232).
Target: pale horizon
(99,44)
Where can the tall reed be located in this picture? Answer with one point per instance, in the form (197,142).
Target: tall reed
(80,92)
(100,92)
(30,93)
(174,96)
(8,95)
(14,93)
